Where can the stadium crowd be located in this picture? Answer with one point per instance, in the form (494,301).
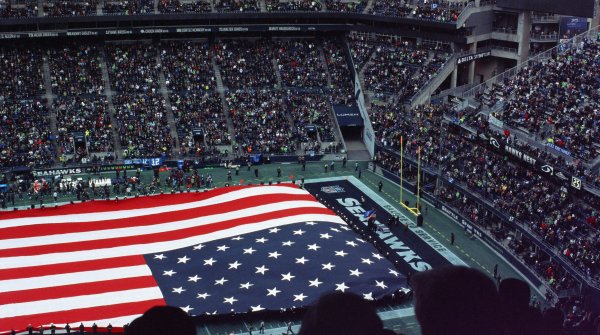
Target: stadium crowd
(75,69)
(128,7)
(557,100)
(237,5)
(246,63)
(70,8)
(299,63)
(261,120)
(197,110)
(187,66)
(176,6)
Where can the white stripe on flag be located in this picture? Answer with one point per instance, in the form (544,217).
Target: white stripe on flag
(74,278)
(157,228)
(120,214)
(137,249)
(86,301)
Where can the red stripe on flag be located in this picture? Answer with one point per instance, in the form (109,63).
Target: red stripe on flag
(55,269)
(132,203)
(147,220)
(75,290)
(159,237)
(82,314)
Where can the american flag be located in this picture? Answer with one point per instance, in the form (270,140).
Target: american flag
(239,249)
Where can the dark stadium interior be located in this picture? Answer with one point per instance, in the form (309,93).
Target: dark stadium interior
(483,115)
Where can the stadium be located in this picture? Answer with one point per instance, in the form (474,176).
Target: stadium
(314,167)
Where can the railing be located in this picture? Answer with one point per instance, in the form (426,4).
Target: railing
(545,18)
(545,37)
(572,43)
(510,31)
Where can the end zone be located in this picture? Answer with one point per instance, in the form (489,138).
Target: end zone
(416,247)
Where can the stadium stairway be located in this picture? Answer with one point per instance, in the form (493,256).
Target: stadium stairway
(40,7)
(277,74)
(221,90)
(169,112)
(324,61)
(369,5)
(111,107)
(50,101)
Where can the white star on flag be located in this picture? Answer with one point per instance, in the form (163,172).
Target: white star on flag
(341,253)
(199,246)
(299,232)
(178,290)
(221,281)
(169,273)
(315,282)
(160,256)
(327,266)
(246,285)
(187,308)
(194,278)
(313,246)
(249,251)
(326,236)
(368,296)
(367,261)
(287,243)
(288,276)
(273,291)
(301,260)
(355,273)
(274,230)
(257,308)
(230,300)
(183,259)
(274,254)
(261,270)
(341,287)
(351,243)
(300,297)
(203,295)
(234,265)
(261,240)
(222,248)
(209,261)
(380,284)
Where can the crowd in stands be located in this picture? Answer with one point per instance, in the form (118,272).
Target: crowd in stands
(177,6)
(133,68)
(142,125)
(392,68)
(310,109)
(70,8)
(341,90)
(441,11)
(293,5)
(187,66)
(29,9)
(354,6)
(246,63)
(237,5)
(87,116)
(557,100)
(391,8)
(21,72)
(261,121)
(75,69)
(25,138)
(198,110)
(299,63)
(128,7)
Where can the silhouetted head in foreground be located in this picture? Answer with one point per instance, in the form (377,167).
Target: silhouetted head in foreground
(342,313)
(162,320)
(456,300)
